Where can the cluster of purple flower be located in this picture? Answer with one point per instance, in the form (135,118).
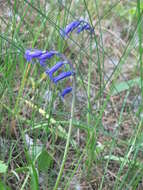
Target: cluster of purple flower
(80,25)
(43,56)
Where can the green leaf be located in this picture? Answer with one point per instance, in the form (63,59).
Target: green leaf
(45,161)
(34,178)
(3,167)
(3,186)
(126,85)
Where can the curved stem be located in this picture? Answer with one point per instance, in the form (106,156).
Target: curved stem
(68,138)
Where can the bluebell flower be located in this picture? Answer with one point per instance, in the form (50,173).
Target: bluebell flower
(85,26)
(30,54)
(42,57)
(69,28)
(62,76)
(65,91)
(80,25)
(51,71)
(47,55)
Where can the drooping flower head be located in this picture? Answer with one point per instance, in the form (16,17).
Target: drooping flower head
(42,57)
(47,55)
(32,53)
(80,25)
(66,91)
(52,70)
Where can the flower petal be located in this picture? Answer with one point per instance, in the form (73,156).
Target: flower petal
(86,26)
(62,76)
(30,54)
(70,27)
(79,24)
(47,55)
(55,68)
(66,91)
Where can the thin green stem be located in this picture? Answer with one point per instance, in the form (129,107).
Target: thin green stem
(140,46)
(89,85)
(22,87)
(68,138)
